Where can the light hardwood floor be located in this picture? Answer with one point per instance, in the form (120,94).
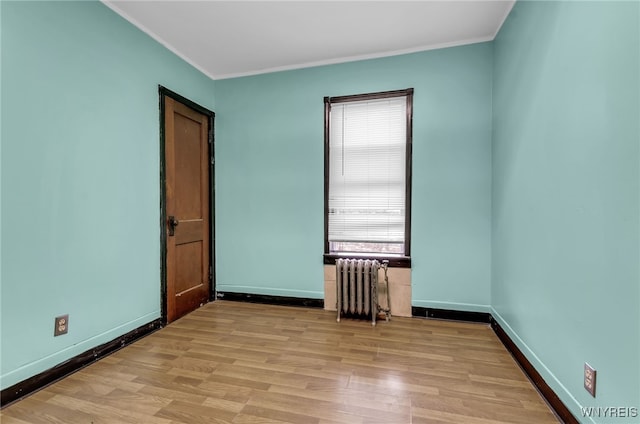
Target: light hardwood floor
(247,363)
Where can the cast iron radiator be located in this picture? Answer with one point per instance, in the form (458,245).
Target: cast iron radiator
(357,289)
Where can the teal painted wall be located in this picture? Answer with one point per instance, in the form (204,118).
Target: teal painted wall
(566,194)
(559,90)
(269,174)
(0,183)
(80,177)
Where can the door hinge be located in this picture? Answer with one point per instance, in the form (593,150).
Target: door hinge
(210,274)
(213,161)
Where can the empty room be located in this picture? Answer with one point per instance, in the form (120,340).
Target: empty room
(320,212)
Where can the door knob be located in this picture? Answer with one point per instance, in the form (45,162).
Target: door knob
(173,223)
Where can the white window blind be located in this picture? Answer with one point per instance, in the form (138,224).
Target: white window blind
(367,162)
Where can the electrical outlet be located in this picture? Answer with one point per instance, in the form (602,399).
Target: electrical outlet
(590,379)
(62,325)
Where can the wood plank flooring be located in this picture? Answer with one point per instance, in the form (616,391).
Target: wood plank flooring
(245,363)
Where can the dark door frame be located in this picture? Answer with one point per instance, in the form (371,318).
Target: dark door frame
(163,93)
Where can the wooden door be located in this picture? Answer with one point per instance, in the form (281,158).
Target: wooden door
(188,267)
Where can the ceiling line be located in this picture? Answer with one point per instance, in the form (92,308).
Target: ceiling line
(122,14)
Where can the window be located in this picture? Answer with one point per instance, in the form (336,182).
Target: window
(368,175)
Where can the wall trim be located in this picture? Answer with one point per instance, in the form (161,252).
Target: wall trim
(271,300)
(455,315)
(543,388)
(455,306)
(43,379)
(68,367)
(266,291)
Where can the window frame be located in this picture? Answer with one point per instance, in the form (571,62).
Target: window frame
(401,261)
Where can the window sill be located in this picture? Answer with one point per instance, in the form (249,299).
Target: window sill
(394,261)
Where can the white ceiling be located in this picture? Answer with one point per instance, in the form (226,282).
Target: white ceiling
(227,39)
